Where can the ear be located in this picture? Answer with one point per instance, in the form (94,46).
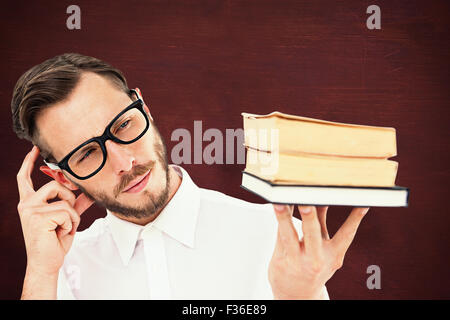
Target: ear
(148,111)
(145,106)
(58,176)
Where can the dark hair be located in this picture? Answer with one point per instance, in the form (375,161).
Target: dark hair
(51,82)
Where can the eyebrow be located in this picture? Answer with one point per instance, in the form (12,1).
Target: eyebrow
(97,135)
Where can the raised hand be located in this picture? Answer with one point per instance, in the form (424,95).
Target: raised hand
(299,269)
(48,228)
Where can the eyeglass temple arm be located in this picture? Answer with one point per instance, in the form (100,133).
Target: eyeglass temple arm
(52,166)
(137,92)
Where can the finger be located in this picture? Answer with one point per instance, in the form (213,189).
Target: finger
(322,215)
(24,182)
(61,229)
(82,203)
(54,189)
(74,216)
(287,239)
(344,236)
(312,235)
(62,205)
(64,229)
(279,251)
(58,219)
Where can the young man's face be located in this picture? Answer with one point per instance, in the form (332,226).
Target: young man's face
(90,107)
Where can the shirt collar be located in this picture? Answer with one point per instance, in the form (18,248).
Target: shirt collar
(178,219)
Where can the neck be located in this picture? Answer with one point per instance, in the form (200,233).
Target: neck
(174,184)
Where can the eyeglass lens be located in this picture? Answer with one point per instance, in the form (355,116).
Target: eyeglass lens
(126,128)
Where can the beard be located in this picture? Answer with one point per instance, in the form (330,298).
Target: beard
(153,202)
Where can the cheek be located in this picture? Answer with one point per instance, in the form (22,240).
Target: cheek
(144,147)
(101,183)
(158,178)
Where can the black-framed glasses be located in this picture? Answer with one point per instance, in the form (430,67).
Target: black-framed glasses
(89,157)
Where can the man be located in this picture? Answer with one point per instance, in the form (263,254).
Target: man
(163,237)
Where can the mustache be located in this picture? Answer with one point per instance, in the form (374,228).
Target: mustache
(138,170)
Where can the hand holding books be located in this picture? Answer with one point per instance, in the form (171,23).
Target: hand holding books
(299,269)
(298,160)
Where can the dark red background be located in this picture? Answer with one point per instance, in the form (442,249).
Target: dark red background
(212,60)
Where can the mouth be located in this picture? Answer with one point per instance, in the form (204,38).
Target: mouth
(138,184)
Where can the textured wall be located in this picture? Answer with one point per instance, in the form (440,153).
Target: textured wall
(212,60)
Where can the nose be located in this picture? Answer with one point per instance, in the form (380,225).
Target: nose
(120,160)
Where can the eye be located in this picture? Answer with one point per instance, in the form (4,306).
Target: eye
(86,155)
(123,125)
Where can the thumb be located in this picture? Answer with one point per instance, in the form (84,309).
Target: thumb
(82,203)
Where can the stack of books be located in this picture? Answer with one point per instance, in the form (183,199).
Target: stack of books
(298,160)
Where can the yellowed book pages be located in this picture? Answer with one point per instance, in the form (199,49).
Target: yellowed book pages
(293,134)
(309,169)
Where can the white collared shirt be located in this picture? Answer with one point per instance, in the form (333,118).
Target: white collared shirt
(203,245)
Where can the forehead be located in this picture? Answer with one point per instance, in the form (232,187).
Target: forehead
(93,103)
